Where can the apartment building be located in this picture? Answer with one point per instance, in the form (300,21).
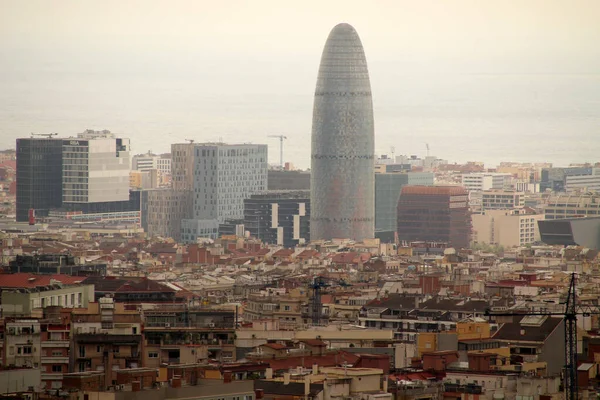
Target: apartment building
(507,228)
(106,337)
(178,334)
(285,308)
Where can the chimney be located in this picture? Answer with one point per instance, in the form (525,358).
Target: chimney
(136,386)
(315,369)
(227,377)
(269,374)
(286,378)
(259,393)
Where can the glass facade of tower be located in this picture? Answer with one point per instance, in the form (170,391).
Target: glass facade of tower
(342,155)
(39,176)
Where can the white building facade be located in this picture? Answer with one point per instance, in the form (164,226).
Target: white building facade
(96,168)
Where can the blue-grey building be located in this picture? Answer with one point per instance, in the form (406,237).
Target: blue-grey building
(387,193)
(342,154)
(224,175)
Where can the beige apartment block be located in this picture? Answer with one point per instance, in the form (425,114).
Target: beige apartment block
(507,228)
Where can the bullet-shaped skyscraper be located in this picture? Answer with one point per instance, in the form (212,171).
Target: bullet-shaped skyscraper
(342,159)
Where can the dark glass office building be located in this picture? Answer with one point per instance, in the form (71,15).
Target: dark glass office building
(39,176)
(279,218)
(434,214)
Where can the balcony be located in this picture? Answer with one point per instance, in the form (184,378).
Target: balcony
(55,360)
(156,326)
(55,344)
(99,338)
(54,376)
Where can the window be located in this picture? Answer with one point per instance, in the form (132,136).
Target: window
(152,354)
(57,368)
(57,353)
(115,349)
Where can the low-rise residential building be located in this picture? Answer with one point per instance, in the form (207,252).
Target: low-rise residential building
(23,302)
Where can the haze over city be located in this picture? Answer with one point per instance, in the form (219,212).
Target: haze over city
(487,81)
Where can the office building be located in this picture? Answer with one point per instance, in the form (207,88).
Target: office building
(288,180)
(479,181)
(554,178)
(223,176)
(387,193)
(342,156)
(434,214)
(165,209)
(583,183)
(562,206)
(150,161)
(39,176)
(507,228)
(182,166)
(96,168)
(501,200)
(281,218)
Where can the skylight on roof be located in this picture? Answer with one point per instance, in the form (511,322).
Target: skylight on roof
(533,320)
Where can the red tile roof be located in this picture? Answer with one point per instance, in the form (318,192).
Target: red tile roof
(26,280)
(10,164)
(283,253)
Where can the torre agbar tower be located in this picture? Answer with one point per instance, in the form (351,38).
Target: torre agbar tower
(342,160)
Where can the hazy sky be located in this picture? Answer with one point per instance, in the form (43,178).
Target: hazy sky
(256,47)
(473,35)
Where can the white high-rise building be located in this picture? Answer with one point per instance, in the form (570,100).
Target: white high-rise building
(96,168)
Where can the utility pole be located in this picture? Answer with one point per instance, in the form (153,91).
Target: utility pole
(281,139)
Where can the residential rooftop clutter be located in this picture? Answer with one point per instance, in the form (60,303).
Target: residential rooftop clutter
(165,294)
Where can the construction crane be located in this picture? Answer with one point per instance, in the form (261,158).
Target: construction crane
(572,310)
(48,135)
(317,285)
(281,139)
